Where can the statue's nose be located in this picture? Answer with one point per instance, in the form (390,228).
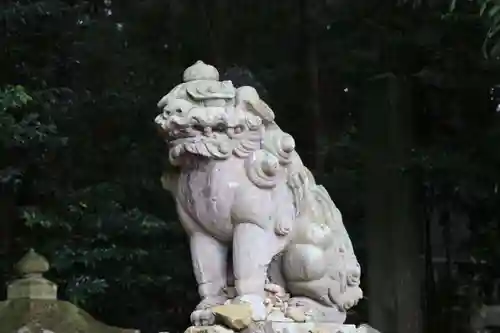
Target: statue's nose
(179,122)
(207,117)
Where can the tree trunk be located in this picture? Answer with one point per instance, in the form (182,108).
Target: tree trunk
(7,219)
(445,221)
(393,233)
(430,284)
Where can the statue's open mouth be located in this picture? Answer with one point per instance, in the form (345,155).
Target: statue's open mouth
(211,142)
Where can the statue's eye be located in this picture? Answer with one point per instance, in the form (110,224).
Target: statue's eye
(178,111)
(220,128)
(198,127)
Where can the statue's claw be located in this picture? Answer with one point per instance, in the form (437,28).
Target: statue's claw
(315,311)
(202,315)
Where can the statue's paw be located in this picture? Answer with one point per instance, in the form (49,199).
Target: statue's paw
(283,226)
(348,299)
(203,317)
(275,289)
(257,304)
(298,302)
(210,302)
(315,311)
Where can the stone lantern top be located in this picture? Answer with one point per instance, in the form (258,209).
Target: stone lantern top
(32,304)
(32,284)
(32,263)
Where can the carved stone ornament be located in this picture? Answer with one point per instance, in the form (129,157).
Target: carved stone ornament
(32,284)
(240,186)
(32,305)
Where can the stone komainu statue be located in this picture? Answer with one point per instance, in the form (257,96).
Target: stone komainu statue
(241,188)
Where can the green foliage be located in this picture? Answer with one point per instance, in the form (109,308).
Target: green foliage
(13,97)
(490,10)
(80,164)
(23,135)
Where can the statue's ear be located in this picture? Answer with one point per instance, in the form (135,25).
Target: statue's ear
(249,98)
(260,108)
(163,101)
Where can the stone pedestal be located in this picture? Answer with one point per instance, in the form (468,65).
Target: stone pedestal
(279,327)
(232,318)
(283,327)
(486,316)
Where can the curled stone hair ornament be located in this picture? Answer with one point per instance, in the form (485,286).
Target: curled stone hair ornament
(281,144)
(248,98)
(247,144)
(262,168)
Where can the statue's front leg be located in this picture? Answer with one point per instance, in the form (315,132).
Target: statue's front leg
(209,258)
(253,249)
(209,264)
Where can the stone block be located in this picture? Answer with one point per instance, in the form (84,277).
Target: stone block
(279,327)
(32,288)
(234,316)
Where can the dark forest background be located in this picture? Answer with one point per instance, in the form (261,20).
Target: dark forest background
(393,105)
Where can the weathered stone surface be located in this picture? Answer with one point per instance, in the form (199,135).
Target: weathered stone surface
(32,288)
(365,328)
(281,327)
(29,315)
(32,284)
(237,176)
(486,316)
(32,263)
(32,305)
(297,314)
(28,330)
(234,316)
(259,327)
(208,329)
(311,327)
